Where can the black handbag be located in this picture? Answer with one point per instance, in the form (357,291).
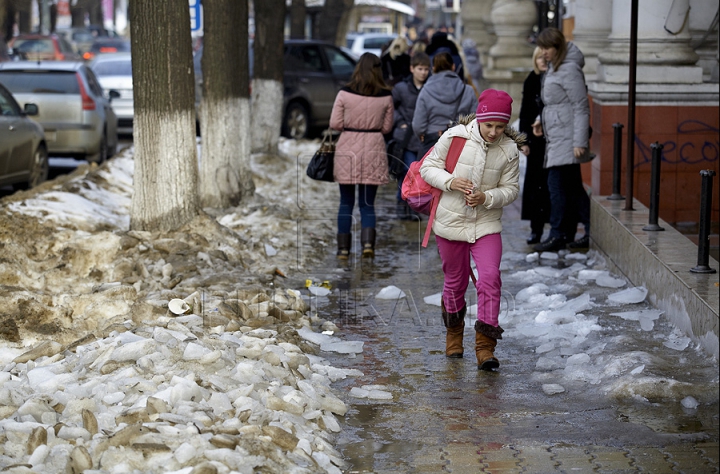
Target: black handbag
(320,167)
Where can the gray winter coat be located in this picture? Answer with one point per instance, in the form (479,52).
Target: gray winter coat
(405,96)
(437,101)
(566,115)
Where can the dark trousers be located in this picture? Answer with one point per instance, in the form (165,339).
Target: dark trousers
(569,202)
(366,203)
(409,157)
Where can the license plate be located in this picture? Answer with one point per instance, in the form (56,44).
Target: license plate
(50,135)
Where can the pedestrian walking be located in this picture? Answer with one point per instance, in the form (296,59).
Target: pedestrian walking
(363,113)
(396,61)
(443,98)
(467,221)
(441,42)
(565,123)
(535,196)
(405,96)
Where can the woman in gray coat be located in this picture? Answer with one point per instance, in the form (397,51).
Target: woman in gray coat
(565,120)
(442,99)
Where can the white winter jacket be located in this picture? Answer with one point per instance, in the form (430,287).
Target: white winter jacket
(492,167)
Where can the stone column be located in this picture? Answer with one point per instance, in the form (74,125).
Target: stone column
(478,26)
(702,14)
(593,23)
(663,57)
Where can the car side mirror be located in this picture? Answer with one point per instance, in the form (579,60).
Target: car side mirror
(31,109)
(113,94)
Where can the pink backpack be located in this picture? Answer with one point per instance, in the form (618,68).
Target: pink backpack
(420,196)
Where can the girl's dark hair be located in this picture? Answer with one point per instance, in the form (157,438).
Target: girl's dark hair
(553,38)
(442,62)
(367,77)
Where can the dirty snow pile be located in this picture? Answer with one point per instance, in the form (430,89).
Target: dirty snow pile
(102,373)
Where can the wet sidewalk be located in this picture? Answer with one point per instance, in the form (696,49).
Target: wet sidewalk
(578,389)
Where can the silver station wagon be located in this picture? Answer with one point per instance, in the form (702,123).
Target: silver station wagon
(77,119)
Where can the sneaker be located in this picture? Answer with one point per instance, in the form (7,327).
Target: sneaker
(580,244)
(552,244)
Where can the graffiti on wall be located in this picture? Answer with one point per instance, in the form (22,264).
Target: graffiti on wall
(690,150)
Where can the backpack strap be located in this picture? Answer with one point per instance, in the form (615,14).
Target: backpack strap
(456,147)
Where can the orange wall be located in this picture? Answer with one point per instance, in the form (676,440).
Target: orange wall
(690,136)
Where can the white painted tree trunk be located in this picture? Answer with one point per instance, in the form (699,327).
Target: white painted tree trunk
(225,177)
(165,177)
(267,112)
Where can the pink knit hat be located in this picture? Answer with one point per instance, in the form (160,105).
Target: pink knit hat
(494,106)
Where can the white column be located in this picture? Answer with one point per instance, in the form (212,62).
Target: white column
(593,23)
(663,57)
(702,13)
(513,21)
(478,26)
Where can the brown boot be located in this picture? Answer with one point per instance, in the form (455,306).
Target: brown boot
(486,337)
(343,244)
(455,324)
(367,239)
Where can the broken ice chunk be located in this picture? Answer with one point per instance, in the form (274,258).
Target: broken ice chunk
(607,281)
(552,388)
(678,343)
(690,402)
(433,299)
(631,295)
(390,293)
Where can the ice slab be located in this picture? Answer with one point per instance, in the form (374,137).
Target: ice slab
(433,299)
(552,388)
(607,281)
(629,296)
(318,290)
(390,293)
(690,402)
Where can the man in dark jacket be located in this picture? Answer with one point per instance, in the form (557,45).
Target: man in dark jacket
(405,96)
(441,43)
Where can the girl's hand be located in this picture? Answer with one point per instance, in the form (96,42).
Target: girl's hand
(475,199)
(537,129)
(525,149)
(463,185)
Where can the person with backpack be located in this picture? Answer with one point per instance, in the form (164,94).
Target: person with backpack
(405,96)
(443,98)
(467,219)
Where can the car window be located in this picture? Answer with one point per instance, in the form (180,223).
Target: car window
(33,46)
(95,86)
(113,68)
(41,82)
(8,106)
(305,58)
(376,43)
(340,64)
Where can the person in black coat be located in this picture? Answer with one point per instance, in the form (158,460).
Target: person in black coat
(395,61)
(441,43)
(535,196)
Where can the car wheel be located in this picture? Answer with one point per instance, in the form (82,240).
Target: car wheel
(296,122)
(39,170)
(102,153)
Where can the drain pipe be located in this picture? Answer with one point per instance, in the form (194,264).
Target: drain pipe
(631,104)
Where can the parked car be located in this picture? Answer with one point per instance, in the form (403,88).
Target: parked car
(114,72)
(360,43)
(34,47)
(23,153)
(314,73)
(82,37)
(77,119)
(105,46)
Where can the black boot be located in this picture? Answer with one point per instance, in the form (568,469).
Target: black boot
(367,239)
(343,242)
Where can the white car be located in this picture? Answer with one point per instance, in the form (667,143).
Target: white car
(114,72)
(360,43)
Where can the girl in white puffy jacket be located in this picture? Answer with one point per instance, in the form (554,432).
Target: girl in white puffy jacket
(467,221)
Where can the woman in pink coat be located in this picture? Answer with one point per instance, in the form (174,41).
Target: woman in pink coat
(363,112)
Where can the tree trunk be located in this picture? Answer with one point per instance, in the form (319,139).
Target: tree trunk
(77,16)
(166,174)
(225,177)
(23,8)
(332,19)
(297,19)
(4,24)
(267,85)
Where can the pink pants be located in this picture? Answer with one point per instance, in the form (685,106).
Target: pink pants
(455,255)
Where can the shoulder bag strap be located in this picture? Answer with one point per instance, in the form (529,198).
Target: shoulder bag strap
(456,147)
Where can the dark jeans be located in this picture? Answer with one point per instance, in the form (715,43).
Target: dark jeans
(366,203)
(408,158)
(569,202)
